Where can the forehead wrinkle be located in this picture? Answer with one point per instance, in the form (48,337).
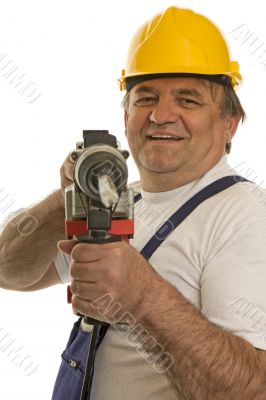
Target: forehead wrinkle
(187,91)
(149,89)
(179,91)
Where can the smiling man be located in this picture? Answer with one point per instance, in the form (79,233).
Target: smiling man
(187,319)
(175,130)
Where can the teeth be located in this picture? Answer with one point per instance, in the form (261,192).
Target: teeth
(164,137)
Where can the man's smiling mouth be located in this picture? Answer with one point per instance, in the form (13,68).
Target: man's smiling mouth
(165,137)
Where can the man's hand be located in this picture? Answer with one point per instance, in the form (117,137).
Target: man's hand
(107,271)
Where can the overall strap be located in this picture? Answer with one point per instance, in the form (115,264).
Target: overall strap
(179,216)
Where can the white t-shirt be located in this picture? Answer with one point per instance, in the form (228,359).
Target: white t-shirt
(216,258)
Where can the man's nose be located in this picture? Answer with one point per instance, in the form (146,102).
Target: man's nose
(164,112)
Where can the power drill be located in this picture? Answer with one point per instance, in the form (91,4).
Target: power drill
(99,206)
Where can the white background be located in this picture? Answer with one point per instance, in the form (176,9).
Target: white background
(73,52)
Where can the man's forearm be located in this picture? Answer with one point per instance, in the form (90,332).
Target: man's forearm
(209,362)
(27,252)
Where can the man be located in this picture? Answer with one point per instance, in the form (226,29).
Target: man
(193,297)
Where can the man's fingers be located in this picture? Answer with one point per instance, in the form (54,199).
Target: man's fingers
(87,308)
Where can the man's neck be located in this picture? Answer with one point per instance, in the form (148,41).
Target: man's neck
(161,182)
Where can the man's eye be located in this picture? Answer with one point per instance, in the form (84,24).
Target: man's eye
(188,102)
(142,101)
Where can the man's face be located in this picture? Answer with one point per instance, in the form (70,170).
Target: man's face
(175,131)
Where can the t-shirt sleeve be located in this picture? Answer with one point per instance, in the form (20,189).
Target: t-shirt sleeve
(233,284)
(61,262)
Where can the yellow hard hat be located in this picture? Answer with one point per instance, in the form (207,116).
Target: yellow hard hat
(179,41)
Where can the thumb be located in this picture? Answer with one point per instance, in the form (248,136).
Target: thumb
(66,246)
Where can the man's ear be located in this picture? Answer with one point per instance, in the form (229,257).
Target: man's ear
(125,121)
(231,124)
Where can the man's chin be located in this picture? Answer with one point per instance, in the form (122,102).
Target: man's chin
(162,168)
